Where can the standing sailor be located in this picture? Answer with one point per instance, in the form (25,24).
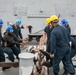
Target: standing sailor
(60,49)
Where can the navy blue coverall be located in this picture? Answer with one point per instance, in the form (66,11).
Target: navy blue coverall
(2,57)
(17,32)
(73,47)
(68,28)
(48,31)
(60,48)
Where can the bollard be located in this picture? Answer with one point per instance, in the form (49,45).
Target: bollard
(26,63)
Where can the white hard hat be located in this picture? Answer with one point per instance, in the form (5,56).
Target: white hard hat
(10,23)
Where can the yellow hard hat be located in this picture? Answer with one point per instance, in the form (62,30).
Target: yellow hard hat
(48,20)
(53,18)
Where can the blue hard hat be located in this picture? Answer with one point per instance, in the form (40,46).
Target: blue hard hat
(1,22)
(18,22)
(10,28)
(64,22)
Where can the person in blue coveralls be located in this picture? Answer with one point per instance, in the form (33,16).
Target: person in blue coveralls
(2,57)
(12,41)
(64,23)
(60,48)
(17,30)
(3,47)
(46,34)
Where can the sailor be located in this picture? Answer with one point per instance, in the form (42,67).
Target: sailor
(17,30)
(30,28)
(46,35)
(3,47)
(12,40)
(60,49)
(64,23)
(2,57)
